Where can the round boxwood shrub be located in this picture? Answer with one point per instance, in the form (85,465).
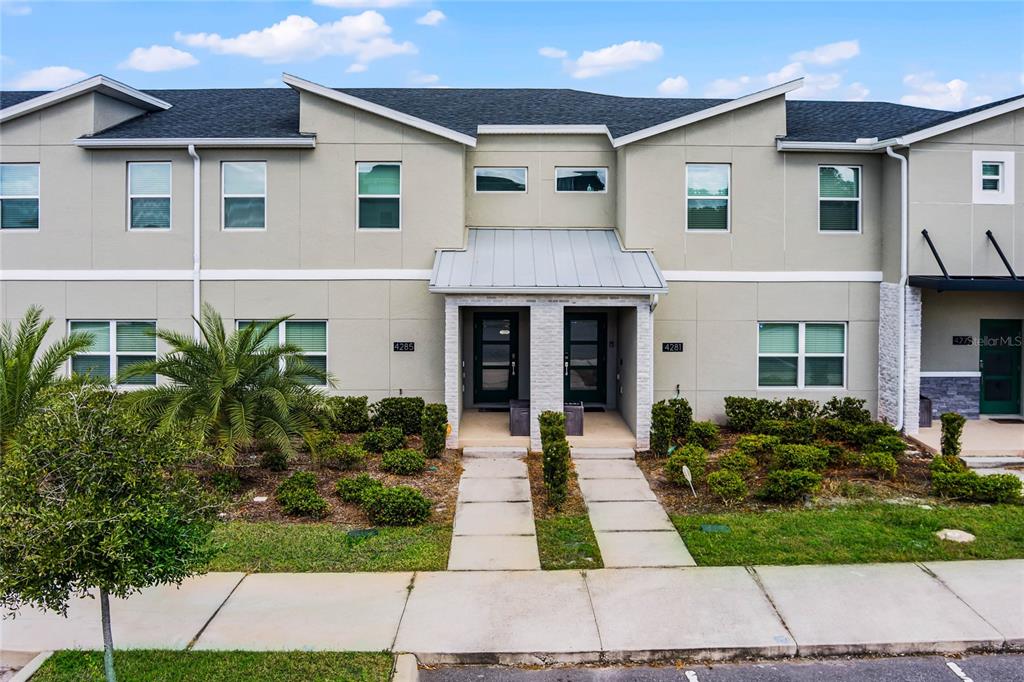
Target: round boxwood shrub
(727,485)
(758,446)
(704,434)
(404,462)
(847,410)
(947,464)
(400,505)
(298,496)
(351,414)
(692,456)
(352,489)
(737,461)
(226,481)
(972,487)
(382,440)
(881,463)
(341,455)
(805,457)
(274,459)
(789,485)
(788,431)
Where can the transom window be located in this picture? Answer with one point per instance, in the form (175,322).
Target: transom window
(379,195)
(707,196)
(149,195)
(801,354)
(308,335)
(581,179)
(839,198)
(511,179)
(244,186)
(19,196)
(991,176)
(116,345)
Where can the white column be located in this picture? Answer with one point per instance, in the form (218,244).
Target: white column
(452,368)
(547,320)
(644,374)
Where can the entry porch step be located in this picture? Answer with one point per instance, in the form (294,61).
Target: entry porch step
(603,453)
(508,452)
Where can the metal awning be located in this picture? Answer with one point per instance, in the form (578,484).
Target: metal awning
(958,283)
(545,261)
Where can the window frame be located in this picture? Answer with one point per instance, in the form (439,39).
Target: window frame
(801,356)
(401,204)
(1000,177)
(859,199)
(38,197)
(607,179)
(282,339)
(727,198)
(526,180)
(224,196)
(1007,177)
(112,352)
(169,196)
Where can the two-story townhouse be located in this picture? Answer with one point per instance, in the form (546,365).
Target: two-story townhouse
(479,247)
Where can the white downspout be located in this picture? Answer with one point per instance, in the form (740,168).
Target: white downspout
(904,268)
(196,229)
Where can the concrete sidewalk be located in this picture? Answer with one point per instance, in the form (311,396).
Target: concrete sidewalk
(704,613)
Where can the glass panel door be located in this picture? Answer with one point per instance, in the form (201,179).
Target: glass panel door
(585,362)
(1000,364)
(495,356)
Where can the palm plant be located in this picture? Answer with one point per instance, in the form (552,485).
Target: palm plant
(24,372)
(238,388)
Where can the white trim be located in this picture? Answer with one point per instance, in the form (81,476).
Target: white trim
(398,196)
(607,179)
(183,142)
(169,196)
(555,129)
(224,196)
(936,375)
(772,275)
(727,198)
(1007,177)
(184,275)
(386,112)
(102,84)
(802,146)
(859,199)
(717,110)
(526,180)
(38,196)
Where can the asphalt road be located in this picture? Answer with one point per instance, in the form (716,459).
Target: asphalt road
(987,668)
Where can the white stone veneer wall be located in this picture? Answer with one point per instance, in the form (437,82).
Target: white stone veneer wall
(889,355)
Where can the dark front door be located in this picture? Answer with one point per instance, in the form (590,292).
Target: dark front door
(1000,364)
(585,357)
(495,357)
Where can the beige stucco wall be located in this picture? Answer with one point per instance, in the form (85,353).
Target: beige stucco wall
(959,313)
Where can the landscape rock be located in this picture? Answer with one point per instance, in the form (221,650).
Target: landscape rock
(953,535)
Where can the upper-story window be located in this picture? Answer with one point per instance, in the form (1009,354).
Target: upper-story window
(993,177)
(581,179)
(116,345)
(500,179)
(149,195)
(19,196)
(708,196)
(379,195)
(244,185)
(839,198)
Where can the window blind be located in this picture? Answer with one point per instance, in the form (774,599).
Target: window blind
(149,178)
(825,338)
(778,338)
(100,332)
(136,337)
(379,178)
(311,337)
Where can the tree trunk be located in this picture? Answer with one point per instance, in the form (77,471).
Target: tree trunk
(108,640)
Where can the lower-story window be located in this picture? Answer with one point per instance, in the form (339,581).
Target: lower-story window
(308,335)
(801,354)
(116,345)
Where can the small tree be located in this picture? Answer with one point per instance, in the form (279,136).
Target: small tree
(434,428)
(556,456)
(663,421)
(92,498)
(952,428)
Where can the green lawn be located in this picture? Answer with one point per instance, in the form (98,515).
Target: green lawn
(276,547)
(223,666)
(567,542)
(855,534)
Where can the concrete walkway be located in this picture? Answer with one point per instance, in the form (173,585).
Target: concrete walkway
(494,527)
(705,613)
(631,527)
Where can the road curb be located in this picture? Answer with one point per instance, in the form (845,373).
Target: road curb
(31,667)
(406,669)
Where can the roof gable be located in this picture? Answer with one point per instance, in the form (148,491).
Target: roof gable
(20,103)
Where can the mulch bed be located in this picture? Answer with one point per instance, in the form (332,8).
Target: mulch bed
(573,504)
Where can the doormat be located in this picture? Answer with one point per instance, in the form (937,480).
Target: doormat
(1008,420)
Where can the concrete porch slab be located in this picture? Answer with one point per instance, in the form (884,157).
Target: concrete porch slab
(603,453)
(981,438)
(993,462)
(887,609)
(636,549)
(494,553)
(310,612)
(608,468)
(493,468)
(995,589)
(707,613)
(494,490)
(616,490)
(494,518)
(619,516)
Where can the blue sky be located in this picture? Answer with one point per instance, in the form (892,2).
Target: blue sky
(946,55)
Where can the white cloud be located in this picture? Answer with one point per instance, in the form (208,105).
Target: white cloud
(552,53)
(676,85)
(158,58)
(927,91)
(48,78)
(620,57)
(432,18)
(356,68)
(364,36)
(15,9)
(856,92)
(825,55)
(350,4)
(424,78)
(728,87)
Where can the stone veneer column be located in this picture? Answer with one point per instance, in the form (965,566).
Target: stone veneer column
(644,374)
(889,355)
(912,363)
(547,320)
(452,369)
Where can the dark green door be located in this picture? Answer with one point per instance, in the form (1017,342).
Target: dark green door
(585,363)
(495,354)
(1000,364)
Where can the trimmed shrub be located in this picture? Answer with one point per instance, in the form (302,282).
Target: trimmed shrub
(556,456)
(400,505)
(226,481)
(866,435)
(793,432)
(805,457)
(352,489)
(298,496)
(402,413)
(735,460)
(351,414)
(663,420)
(274,459)
(847,410)
(836,430)
(692,456)
(341,455)
(382,440)
(947,464)
(704,434)
(758,445)
(799,409)
(837,454)
(882,463)
(743,414)
(683,416)
(727,485)
(952,429)
(404,462)
(789,485)
(894,445)
(972,487)
(434,425)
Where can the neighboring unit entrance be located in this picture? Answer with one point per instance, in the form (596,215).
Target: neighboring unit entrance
(495,354)
(585,362)
(1000,364)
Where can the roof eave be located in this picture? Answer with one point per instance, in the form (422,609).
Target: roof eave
(102,84)
(175,142)
(963,121)
(807,146)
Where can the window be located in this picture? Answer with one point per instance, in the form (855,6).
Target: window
(839,198)
(379,195)
(308,335)
(19,196)
(707,196)
(116,345)
(581,180)
(149,195)
(500,179)
(245,194)
(801,354)
(991,176)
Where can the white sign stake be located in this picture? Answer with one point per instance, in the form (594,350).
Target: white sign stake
(689,479)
